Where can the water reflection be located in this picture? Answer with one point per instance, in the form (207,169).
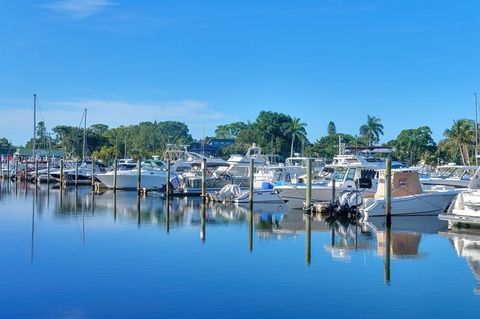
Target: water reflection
(466,243)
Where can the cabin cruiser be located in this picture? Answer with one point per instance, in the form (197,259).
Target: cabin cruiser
(451,175)
(84,173)
(408,196)
(465,208)
(153,175)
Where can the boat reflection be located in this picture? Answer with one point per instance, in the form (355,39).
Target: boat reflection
(466,243)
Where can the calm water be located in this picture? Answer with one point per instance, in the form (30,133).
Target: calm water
(79,255)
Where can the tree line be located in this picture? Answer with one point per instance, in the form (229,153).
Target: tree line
(275,133)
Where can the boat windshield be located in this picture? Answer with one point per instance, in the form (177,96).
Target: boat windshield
(339,173)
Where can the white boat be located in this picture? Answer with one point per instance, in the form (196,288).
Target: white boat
(234,194)
(465,208)
(153,176)
(408,197)
(345,171)
(451,175)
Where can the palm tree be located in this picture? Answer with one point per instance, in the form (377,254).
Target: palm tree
(372,130)
(461,134)
(296,128)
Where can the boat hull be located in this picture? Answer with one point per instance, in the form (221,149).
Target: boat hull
(419,204)
(124,181)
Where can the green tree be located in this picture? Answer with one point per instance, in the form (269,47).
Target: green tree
(231,130)
(296,129)
(327,146)
(331,129)
(460,136)
(372,130)
(413,145)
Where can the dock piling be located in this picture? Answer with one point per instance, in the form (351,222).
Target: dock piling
(252,177)
(115,166)
(93,172)
(36,171)
(308,199)
(139,176)
(76,174)
(167,185)
(204,179)
(388,192)
(333,190)
(61,174)
(8,169)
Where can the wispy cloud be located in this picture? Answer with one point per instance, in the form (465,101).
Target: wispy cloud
(79,9)
(111,112)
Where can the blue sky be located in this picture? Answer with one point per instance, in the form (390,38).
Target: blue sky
(410,63)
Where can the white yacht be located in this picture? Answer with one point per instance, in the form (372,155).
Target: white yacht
(465,208)
(451,175)
(84,172)
(408,197)
(234,194)
(153,175)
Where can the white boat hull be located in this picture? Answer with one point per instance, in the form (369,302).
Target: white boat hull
(129,181)
(425,203)
(295,196)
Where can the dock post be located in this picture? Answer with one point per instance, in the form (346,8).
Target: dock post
(93,173)
(204,179)
(252,176)
(167,185)
(115,164)
(388,192)
(8,169)
(48,170)
(76,174)
(333,191)
(139,176)
(16,170)
(36,171)
(61,174)
(168,214)
(308,199)
(139,218)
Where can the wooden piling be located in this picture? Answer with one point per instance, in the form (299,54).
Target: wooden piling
(36,171)
(139,176)
(48,171)
(115,166)
(8,169)
(93,172)
(167,185)
(252,179)
(388,192)
(204,179)
(308,197)
(16,170)
(76,174)
(61,174)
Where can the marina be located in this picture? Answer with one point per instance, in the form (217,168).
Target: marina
(73,246)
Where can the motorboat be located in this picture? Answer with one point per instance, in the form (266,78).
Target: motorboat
(408,197)
(451,175)
(83,173)
(234,194)
(465,208)
(153,175)
(344,174)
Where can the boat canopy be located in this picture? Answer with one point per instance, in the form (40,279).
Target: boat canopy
(404,182)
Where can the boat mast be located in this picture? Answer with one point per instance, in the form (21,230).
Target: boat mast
(84,135)
(476,128)
(125,144)
(34,123)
